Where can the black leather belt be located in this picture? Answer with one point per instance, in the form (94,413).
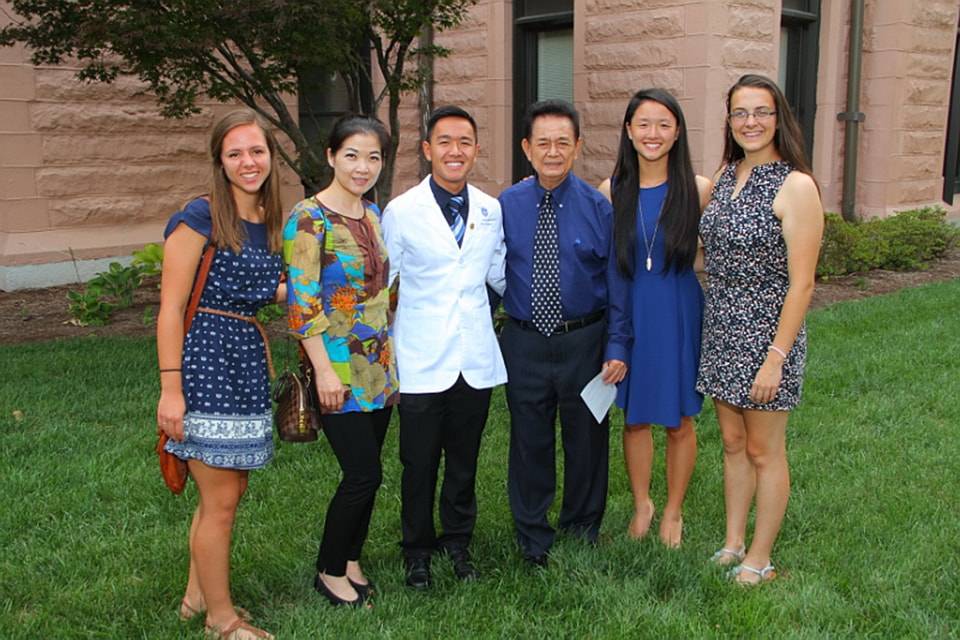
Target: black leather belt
(565,326)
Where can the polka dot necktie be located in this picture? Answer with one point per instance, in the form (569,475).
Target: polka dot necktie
(545,293)
(454,205)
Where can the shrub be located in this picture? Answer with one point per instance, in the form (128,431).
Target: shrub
(909,240)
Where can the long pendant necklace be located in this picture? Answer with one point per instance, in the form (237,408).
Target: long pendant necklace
(643,227)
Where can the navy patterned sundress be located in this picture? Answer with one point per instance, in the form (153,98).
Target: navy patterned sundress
(746,264)
(229,421)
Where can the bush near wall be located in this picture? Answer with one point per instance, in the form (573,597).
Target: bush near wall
(907,241)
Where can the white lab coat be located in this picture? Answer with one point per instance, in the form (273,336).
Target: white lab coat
(443,325)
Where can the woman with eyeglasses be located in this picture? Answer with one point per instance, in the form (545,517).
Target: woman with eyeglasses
(761,234)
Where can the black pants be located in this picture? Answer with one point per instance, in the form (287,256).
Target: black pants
(356,439)
(547,374)
(450,423)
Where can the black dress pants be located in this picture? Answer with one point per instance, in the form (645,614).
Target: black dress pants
(449,423)
(547,374)
(356,439)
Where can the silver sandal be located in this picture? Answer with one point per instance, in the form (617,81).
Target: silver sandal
(737,555)
(766,574)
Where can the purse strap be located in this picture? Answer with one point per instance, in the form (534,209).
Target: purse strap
(198,284)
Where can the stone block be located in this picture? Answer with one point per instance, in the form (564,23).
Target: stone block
(111,118)
(936,14)
(460,93)
(615,6)
(636,26)
(17,183)
(930,40)
(111,210)
(926,118)
(918,167)
(14,54)
(462,42)
(929,65)
(623,84)
(750,22)
(14,116)
(640,56)
(926,143)
(68,182)
(20,150)
(17,81)
(744,54)
(58,84)
(460,68)
(603,113)
(24,215)
(137,148)
(927,92)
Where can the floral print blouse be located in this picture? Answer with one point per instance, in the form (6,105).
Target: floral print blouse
(345,300)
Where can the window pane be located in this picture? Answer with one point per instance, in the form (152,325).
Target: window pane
(784,49)
(799,5)
(555,65)
(543,7)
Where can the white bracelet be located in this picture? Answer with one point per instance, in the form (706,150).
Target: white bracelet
(777,349)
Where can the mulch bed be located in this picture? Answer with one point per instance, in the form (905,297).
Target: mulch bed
(41,314)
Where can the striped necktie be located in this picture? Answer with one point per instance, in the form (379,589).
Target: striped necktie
(545,305)
(454,205)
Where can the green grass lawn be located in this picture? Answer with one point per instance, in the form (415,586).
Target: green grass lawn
(93,545)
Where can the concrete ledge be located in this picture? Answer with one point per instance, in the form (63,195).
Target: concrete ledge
(36,276)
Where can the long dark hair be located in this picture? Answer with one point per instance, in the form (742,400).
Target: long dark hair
(788,139)
(681,206)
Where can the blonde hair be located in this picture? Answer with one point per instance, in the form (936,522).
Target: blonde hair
(228,231)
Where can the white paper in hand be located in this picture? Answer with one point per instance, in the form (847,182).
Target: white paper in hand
(598,396)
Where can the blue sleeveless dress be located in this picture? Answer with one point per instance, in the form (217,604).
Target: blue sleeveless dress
(229,420)
(667,308)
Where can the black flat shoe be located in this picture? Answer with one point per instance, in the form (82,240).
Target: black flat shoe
(462,565)
(539,561)
(418,573)
(333,598)
(365,591)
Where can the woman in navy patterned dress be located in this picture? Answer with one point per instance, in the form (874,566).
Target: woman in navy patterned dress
(215,396)
(761,235)
(657,200)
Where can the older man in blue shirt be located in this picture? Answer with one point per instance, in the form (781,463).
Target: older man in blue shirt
(568,308)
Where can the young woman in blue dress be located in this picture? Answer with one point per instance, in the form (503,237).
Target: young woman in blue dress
(657,200)
(215,395)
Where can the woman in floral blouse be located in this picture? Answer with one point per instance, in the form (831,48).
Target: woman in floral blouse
(338,304)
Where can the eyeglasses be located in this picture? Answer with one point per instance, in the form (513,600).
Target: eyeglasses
(760,115)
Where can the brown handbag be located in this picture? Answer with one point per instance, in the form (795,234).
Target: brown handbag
(172,468)
(297,414)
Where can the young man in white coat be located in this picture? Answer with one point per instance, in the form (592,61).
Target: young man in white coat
(445,240)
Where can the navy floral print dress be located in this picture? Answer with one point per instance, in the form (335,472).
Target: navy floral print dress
(229,420)
(746,264)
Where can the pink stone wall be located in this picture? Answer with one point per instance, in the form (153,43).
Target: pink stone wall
(91,170)
(476,76)
(907,73)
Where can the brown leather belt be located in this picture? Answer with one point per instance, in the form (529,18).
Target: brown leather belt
(252,320)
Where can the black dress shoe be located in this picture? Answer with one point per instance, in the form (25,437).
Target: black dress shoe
(333,598)
(537,561)
(365,591)
(462,566)
(418,573)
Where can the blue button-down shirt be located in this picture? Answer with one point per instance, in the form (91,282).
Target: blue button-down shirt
(589,279)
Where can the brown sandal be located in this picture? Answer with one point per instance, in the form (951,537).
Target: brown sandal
(239,629)
(188,612)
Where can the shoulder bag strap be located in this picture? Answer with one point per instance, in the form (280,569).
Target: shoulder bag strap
(198,284)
